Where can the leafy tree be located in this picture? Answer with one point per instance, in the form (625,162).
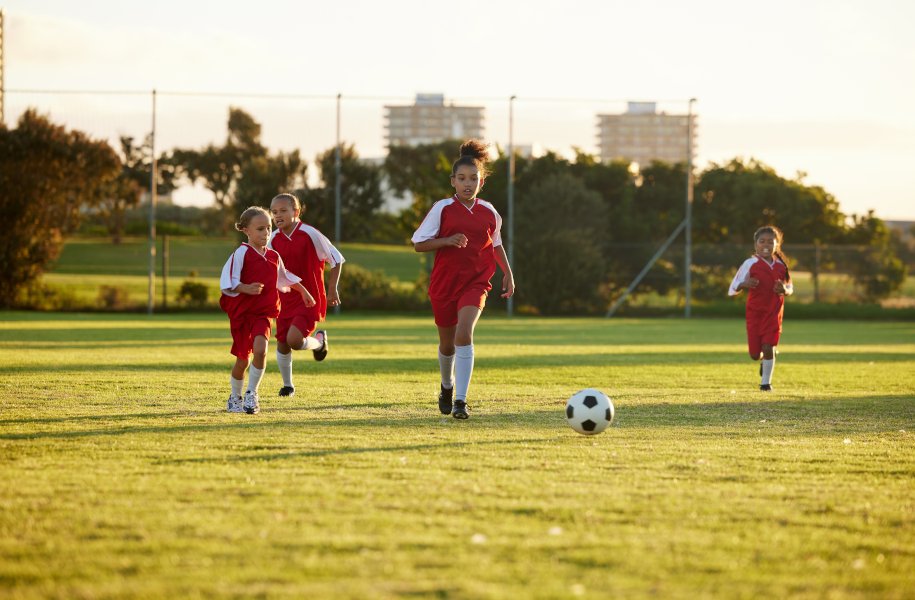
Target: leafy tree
(126,191)
(877,269)
(423,171)
(46,174)
(361,195)
(242,172)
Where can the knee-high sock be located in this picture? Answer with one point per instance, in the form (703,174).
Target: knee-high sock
(311,343)
(254,377)
(284,362)
(237,384)
(768,365)
(446,367)
(463,369)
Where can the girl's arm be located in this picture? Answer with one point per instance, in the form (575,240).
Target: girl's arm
(458,240)
(306,297)
(333,279)
(508,278)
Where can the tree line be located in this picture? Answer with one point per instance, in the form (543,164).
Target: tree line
(582,227)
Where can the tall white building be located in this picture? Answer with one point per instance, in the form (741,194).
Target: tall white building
(429,120)
(642,134)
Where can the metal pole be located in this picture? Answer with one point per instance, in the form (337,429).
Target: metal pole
(165,272)
(510,305)
(688,262)
(152,212)
(338,190)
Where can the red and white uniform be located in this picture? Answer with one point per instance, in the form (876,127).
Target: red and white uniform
(460,276)
(304,251)
(249,315)
(764,307)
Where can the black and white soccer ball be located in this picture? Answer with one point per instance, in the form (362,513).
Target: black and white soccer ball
(589,411)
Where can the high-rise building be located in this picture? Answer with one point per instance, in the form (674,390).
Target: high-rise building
(429,120)
(642,134)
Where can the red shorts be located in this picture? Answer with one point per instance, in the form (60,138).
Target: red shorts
(244,332)
(303,323)
(762,332)
(446,311)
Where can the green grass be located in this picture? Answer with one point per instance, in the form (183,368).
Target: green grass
(124,477)
(206,256)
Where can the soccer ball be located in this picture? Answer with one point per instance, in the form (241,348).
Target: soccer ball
(589,411)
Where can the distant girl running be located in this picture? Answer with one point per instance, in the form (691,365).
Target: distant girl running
(464,233)
(766,278)
(250,282)
(304,250)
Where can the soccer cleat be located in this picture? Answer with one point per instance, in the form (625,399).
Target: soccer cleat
(321,353)
(287,390)
(234,405)
(252,406)
(765,388)
(460,410)
(444,400)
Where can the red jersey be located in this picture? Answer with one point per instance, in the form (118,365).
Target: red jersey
(762,301)
(458,269)
(305,251)
(247,265)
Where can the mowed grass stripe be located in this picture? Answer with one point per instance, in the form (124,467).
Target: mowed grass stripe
(125,477)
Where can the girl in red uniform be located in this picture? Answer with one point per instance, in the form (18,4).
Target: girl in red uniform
(250,283)
(766,278)
(304,250)
(464,233)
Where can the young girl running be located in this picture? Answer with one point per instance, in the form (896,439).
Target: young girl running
(304,250)
(464,233)
(250,283)
(766,278)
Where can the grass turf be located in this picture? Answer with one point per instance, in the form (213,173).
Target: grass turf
(124,476)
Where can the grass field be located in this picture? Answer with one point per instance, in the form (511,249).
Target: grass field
(124,477)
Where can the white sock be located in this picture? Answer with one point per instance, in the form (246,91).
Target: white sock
(311,343)
(236,385)
(254,378)
(768,365)
(284,362)
(463,369)
(446,366)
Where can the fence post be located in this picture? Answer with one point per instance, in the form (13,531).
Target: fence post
(152,212)
(165,266)
(816,271)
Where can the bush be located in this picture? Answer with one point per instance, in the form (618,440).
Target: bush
(113,297)
(39,296)
(192,294)
(364,289)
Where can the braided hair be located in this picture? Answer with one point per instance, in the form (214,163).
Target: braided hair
(779,236)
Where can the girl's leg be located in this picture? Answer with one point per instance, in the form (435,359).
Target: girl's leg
(258,363)
(236,381)
(463,357)
(446,368)
(768,366)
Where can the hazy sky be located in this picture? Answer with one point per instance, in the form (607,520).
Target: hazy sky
(826,88)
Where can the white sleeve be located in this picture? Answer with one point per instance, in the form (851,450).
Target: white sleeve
(742,274)
(284,279)
(323,248)
(231,271)
(428,229)
(497,234)
(270,241)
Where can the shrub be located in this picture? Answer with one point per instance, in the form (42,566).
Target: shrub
(364,289)
(113,297)
(40,296)
(192,294)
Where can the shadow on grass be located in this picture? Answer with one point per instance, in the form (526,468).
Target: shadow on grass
(358,450)
(867,414)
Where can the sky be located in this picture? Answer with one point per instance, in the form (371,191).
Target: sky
(820,90)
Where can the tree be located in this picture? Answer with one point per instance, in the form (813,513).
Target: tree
(46,174)
(360,193)
(127,189)
(877,269)
(423,171)
(242,172)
